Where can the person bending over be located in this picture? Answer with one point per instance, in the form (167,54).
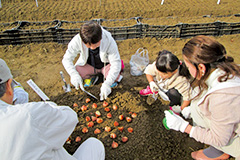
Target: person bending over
(215,105)
(172,77)
(98,53)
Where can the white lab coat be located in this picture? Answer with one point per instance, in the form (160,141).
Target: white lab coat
(35,131)
(108,54)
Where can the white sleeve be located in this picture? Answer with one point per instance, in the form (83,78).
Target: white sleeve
(115,61)
(20,96)
(150,69)
(56,123)
(71,53)
(191,131)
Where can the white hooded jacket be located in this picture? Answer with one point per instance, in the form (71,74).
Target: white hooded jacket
(108,54)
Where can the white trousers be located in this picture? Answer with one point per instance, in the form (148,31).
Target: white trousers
(91,149)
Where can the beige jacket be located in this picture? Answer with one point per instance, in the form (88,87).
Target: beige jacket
(176,81)
(218,112)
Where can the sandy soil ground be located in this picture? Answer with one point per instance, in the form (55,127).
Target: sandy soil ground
(150,140)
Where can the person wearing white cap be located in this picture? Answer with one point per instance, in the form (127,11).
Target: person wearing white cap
(38,130)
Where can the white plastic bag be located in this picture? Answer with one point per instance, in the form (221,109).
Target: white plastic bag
(139,62)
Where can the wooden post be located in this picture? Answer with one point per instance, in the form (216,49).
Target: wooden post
(162,2)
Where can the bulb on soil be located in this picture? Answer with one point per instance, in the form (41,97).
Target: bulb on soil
(84,130)
(109,115)
(113,135)
(121,117)
(68,141)
(134,115)
(75,105)
(84,108)
(128,119)
(124,139)
(88,118)
(120,129)
(99,120)
(98,114)
(107,109)
(78,139)
(90,124)
(130,129)
(88,100)
(114,144)
(116,124)
(94,105)
(94,118)
(107,129)
(115,107)
(105,104)
(97,131)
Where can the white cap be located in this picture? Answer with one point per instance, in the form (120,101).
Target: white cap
(5,73)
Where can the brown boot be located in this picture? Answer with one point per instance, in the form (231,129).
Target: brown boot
(199,155)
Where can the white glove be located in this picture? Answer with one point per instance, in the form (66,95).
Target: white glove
(176,108)
(153,86)
(20,96)
(175,122)
(186,112)
(77,81)
(105,91)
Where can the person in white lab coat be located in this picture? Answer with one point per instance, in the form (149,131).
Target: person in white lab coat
(38,130)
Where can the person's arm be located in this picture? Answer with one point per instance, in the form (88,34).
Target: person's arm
(111,55)
(20,96)
(149,78)
(188,129)
(74,48)
(185,104)
(114,59)
(182,85)
(70,54)
(223,116)
(150,72)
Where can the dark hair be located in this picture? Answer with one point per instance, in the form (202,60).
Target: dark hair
(168,62)
(3,88)
(91,32)
(206,50)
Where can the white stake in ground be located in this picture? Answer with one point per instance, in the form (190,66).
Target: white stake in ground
(0,4)
(162,2)
(36,3)
(218,2)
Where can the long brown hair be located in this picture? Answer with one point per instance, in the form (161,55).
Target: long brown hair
(206,50)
